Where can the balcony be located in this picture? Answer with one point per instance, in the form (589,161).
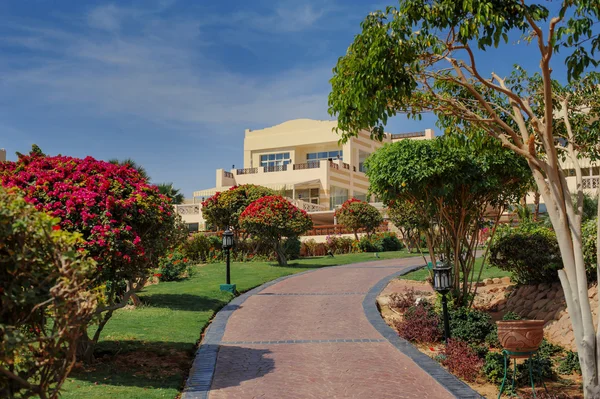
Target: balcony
(590,182)
(246,171)
(308,165)
(188,209)
(279,168)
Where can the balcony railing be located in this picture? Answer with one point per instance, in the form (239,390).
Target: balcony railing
(408,135)
(188,209)
(330,229)
(279,168)
(246,171)
(346,166)
(590,183)
(333,165)
(228,174)
(308,165)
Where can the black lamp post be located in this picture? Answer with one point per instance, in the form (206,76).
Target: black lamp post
(442,283)
(227,245)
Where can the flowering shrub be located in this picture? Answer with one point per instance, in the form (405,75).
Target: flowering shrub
(42,279)
(223,209)
(420,324)
(461,360)
(173,266)
(356,214)
(125,223)
(272,218)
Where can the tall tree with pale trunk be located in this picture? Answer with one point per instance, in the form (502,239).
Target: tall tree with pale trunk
(424,56)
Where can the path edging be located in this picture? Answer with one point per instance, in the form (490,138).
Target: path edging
(447,380)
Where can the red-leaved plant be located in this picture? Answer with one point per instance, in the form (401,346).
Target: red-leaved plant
(461,360)
(420,324)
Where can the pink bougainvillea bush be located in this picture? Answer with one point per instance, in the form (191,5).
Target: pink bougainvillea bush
(273,218)
(126,225)
(355,214)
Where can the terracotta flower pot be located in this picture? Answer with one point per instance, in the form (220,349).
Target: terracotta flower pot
(520,335)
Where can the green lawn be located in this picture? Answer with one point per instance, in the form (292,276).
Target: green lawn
(146,352)
(488,272)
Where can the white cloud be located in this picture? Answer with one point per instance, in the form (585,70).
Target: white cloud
(161,72)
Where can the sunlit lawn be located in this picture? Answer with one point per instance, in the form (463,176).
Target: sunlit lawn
(146,352)
(487,272)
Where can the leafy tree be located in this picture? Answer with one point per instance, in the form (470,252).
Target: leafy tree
(453,181)
(423,56)
(223,209)
(45,299)
(126,224)
(355,214)
(273,218)
(170,192)
(406,217)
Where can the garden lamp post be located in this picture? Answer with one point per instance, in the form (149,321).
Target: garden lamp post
(227,245)
(442,283)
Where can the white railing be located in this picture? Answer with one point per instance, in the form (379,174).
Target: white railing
(590,183)
(188,209)
(308,206)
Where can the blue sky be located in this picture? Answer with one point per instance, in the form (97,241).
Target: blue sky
(173,84)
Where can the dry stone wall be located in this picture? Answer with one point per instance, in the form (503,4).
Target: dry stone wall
(547,302)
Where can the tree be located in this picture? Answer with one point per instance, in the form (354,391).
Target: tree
(405,215)
(355,214)
(170,192)
(423,56)
(223,209)
(273,218)
(45,299)
(453,182)
(131,163)
(126,224)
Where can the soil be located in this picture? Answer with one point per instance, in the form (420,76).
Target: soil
(487,299)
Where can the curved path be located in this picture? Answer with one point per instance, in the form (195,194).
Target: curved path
(316,334)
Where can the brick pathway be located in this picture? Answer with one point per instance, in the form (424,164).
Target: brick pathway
(308,336)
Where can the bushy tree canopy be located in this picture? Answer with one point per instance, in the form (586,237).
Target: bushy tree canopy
(45,299)
(223,209)
(273,218)
(355,214)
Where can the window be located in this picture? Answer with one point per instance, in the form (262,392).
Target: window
(192,227)
(338,196)
(317,156)
(362,156)
(360,196)
(280,159)
(308,194)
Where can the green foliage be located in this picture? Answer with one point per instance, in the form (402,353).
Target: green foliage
(170,192)
(569,364)
(197,247)
(589,233)
(493,367)
(511,316)
(470,325)
(273,218)
(291,246)
(45,299)
(173,267)
(406,217)
(380,242)
(223,209)
(338,245)
(530,251)
(358,215)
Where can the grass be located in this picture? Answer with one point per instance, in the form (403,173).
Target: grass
(146,352)
(488,272)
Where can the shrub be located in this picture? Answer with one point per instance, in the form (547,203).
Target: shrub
(173,267)
(291,246)
(542,366)
(420,324)
(461,360)
(493,367)
(312,248)
(380,242)
(530,252)
(339,245)
(569,364)
(403,300)
(197,248)
(366,244)
(356,214)
(45,299)
(470,325)
(272,218)
(589,232)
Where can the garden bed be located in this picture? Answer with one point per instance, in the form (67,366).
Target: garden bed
(474,331)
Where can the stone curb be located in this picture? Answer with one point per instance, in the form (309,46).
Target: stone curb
(452,384)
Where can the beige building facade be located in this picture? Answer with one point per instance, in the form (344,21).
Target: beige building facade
(303,160)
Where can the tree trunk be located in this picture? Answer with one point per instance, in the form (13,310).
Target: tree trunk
(536,201)
(281,258)
(85,348)
(356,235)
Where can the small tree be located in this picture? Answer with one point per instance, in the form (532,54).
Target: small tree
(223,209)
(45,300)
(355,214)
(171,192)
(405,215)
(126,224)
(273,218)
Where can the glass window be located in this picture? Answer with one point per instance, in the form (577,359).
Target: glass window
(312,155)
(193,227)
(322,155)
(271,157)
(286,155)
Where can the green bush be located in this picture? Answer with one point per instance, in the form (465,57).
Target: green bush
(569,364)
(530,252)
(173,267)
(589,233)
(380,242)
(493,367)
(469,325)
(365,244)
(197,247)
(291,246)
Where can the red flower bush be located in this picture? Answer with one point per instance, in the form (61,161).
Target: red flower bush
(420,324)
(356,214)
(126,225)
(273,218)
(461,360)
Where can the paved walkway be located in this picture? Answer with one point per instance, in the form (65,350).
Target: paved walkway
(311,336)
